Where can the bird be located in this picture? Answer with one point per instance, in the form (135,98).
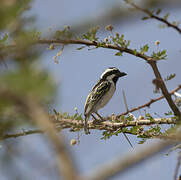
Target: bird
(101,94)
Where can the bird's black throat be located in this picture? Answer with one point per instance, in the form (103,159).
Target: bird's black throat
(115,79)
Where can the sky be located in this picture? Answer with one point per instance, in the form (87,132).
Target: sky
(78,71)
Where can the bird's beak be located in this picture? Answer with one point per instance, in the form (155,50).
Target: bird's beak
(121,74)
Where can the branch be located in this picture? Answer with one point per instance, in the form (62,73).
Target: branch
(149,102)
(96,44)
(153,16)
(23,133)
(76,125)
(164,90)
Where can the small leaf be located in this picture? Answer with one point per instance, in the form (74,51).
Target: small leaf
(80,48)
(142,141)
(135,52)
(144,49)
(145,18)
(158,11)
(161,26)
(118,54)
(169,77)
(4,38)
(166,16)
(169,113)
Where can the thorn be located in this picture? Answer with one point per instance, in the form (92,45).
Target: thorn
(128,140)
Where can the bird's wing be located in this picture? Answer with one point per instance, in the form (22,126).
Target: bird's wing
(97,84)
(98,91)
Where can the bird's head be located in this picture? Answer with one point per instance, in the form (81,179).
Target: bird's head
(112,74)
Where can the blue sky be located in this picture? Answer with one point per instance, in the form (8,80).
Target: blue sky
(78,71)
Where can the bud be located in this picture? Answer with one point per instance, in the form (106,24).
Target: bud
(113,117)
(109,27)
(141,118)
(106,39)
(59,52)
(55,59)
(117,34)
(157,42)
(67,27)
(73,142)
(51,47)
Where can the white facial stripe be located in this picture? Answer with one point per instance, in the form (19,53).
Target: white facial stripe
(107,70)
(111,77)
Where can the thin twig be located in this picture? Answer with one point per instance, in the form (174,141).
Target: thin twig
(126,106)
(24,133)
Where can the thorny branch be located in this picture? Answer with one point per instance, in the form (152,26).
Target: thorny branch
(164,89)
(149,102)
(76,125)
(96,44)
(153,16)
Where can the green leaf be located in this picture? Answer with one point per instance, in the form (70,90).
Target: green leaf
(159,55)
(80,48)
(158,11)
(166,16)
(142,141)
(145,18)
(91,34)
(65,33)
(169,113)
(4,38)
(169,77)
(135,52)
(149,117)
(144,49)
(161,26)
(118,54)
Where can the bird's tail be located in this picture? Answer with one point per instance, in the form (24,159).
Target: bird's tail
(86,128)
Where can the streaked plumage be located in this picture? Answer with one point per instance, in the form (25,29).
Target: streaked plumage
(101,93)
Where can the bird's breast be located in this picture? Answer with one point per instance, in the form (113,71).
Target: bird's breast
(106,98)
